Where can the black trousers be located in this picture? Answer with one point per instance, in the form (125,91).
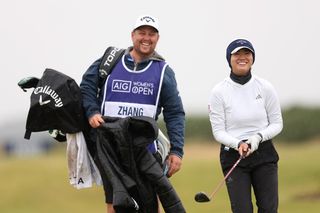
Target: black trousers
(259,172)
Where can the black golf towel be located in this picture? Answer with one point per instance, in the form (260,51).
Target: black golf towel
(55,103)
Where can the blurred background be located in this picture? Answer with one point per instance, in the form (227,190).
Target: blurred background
(69,35)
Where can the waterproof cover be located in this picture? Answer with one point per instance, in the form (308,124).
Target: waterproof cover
(55,103)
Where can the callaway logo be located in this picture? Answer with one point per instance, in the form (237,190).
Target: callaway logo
(147,19)
(43,102)
(47,90)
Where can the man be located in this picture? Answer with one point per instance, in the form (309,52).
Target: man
(140,84)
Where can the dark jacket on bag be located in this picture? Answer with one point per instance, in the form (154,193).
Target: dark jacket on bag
(134,173)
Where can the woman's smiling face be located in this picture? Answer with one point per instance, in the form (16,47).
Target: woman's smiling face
(241,62)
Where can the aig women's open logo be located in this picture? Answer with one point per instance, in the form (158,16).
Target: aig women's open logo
(140,88)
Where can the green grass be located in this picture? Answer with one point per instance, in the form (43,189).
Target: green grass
(40,184)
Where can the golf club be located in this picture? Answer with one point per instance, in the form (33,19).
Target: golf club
(202,197)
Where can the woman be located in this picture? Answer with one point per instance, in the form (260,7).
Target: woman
(245,115)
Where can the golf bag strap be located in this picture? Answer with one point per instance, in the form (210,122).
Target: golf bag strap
(110,57)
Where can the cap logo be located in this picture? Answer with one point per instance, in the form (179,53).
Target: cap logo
(147,19)
(241,42)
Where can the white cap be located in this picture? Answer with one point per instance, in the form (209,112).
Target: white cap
(147,20)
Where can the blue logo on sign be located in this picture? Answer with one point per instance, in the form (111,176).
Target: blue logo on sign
(121,86)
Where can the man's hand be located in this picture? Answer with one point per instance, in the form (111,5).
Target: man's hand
(96,120)
(174,163)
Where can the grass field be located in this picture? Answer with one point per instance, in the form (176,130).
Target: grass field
(40,184)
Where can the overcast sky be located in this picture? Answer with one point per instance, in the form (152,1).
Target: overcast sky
(68,35)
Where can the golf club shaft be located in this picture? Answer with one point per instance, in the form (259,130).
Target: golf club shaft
(225,177)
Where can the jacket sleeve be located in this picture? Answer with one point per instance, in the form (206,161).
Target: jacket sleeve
(274,114)
(218,119)
(173,112)
(89,89)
